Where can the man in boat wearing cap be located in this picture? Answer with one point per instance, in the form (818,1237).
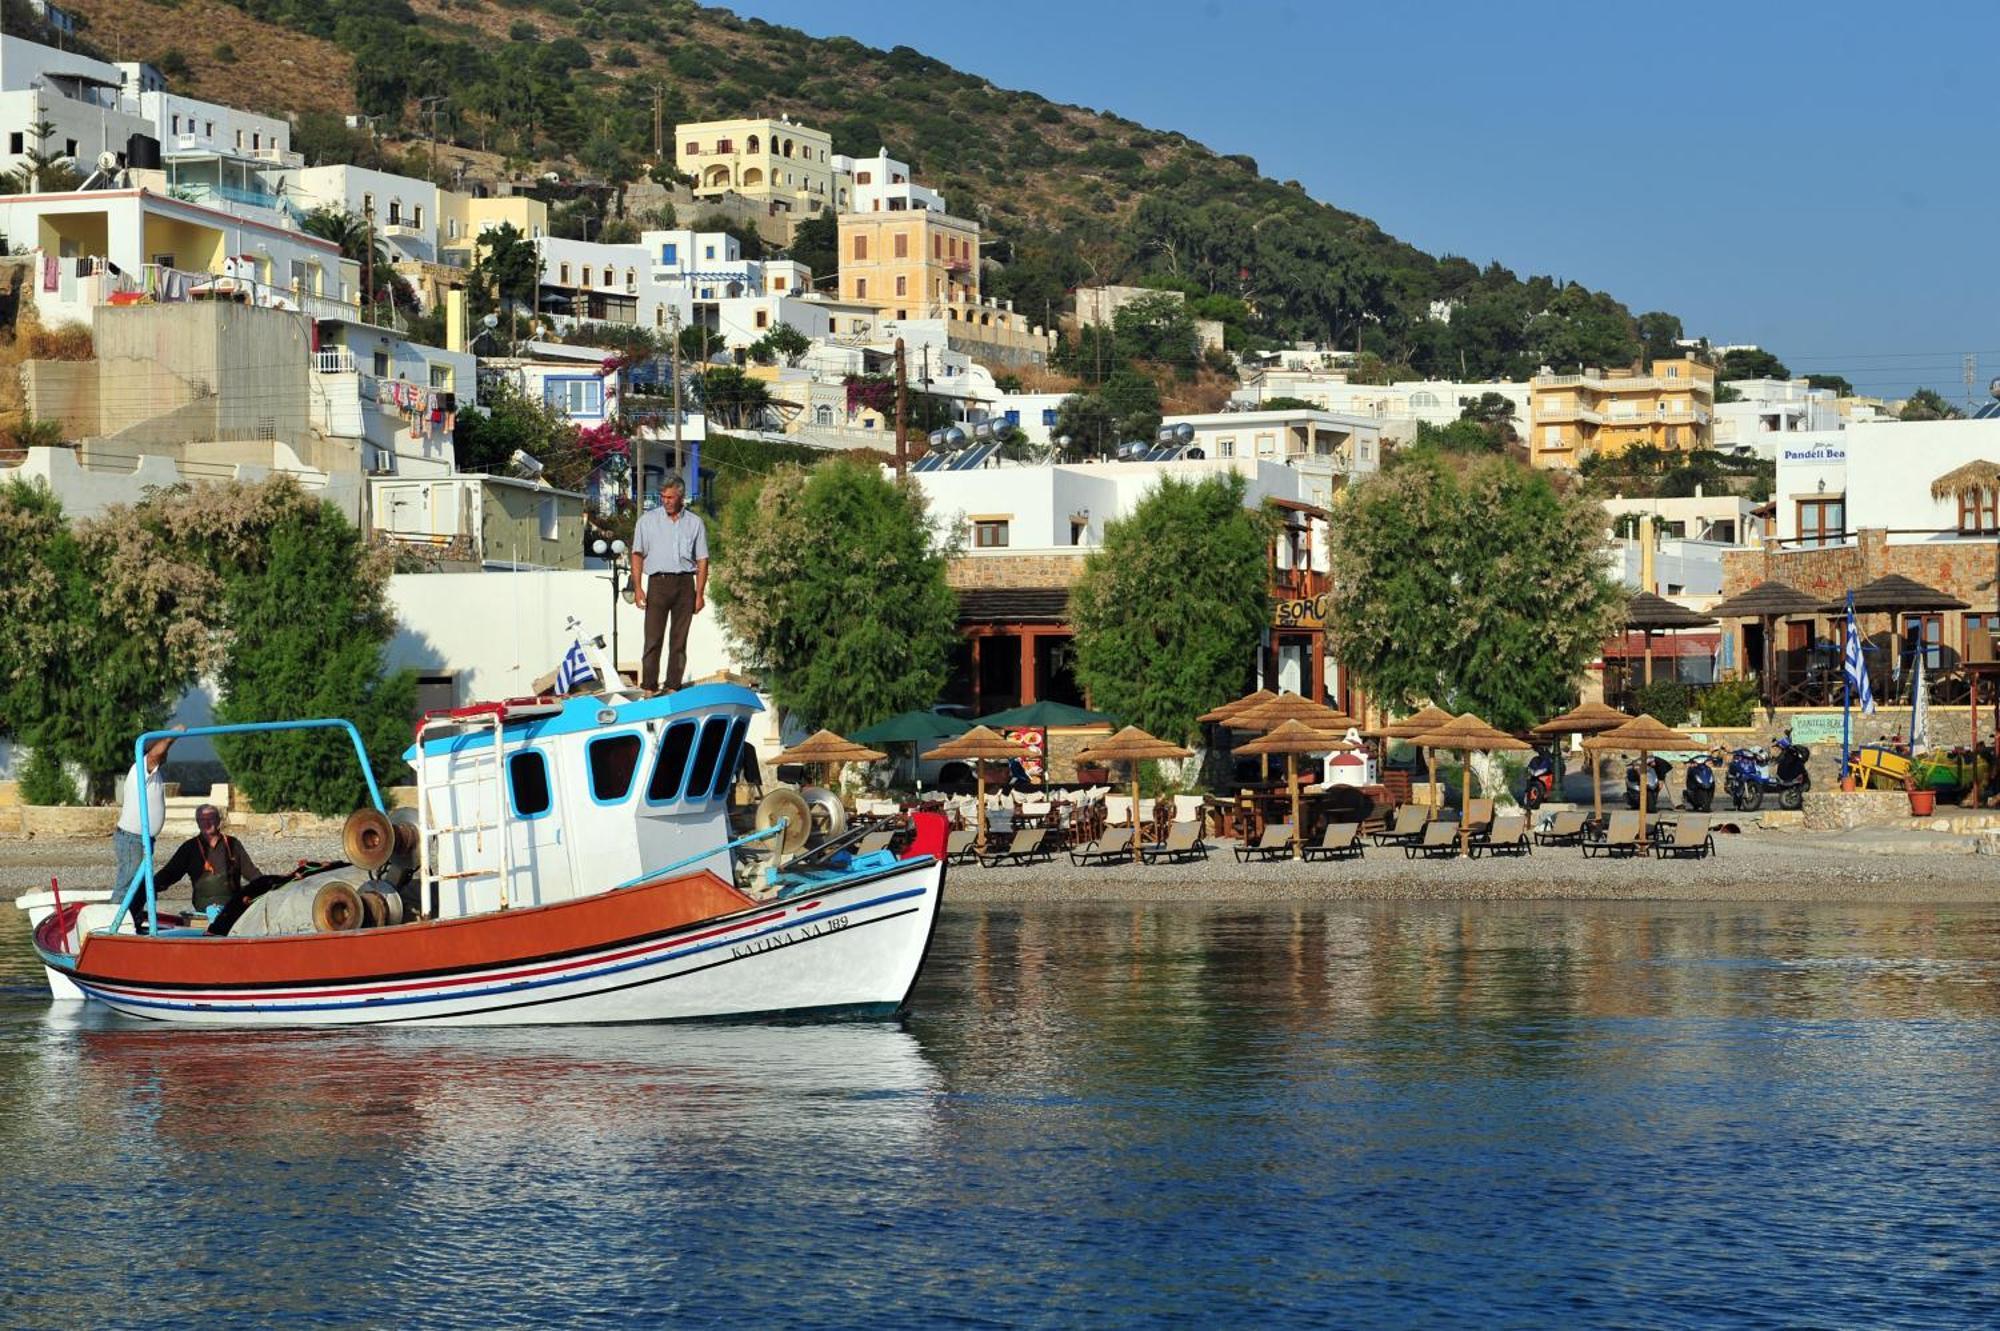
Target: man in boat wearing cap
(212,860)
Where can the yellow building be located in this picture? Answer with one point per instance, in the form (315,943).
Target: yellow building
(914,264)
(461,219)
(1575,416)
(787,163)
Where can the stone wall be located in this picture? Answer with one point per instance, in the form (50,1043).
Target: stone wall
(1013,571)
(1962,568)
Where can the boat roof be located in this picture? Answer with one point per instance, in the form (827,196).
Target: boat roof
(585,712)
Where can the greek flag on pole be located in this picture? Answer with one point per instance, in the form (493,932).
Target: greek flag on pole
(1857,669)
(576,668)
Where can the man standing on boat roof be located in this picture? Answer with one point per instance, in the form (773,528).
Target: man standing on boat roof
(670,581)
(144,809)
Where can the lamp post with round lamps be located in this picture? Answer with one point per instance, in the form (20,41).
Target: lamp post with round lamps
(613,555)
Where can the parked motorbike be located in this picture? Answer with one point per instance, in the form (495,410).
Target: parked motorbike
(1657,770)
(1541,784)
(1698,786)
(1752,775)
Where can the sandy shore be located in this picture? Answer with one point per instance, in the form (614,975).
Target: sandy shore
(1756,866)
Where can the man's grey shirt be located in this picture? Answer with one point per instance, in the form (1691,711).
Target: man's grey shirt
(670,545)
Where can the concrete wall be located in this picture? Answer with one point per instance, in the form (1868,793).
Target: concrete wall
(253,361)
(91,479)
(62,390)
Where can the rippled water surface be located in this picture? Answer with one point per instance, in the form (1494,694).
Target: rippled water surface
(1583,1115)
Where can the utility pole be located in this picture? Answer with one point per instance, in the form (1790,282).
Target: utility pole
(659,126)
(368,260)
(680,458)
(902,409)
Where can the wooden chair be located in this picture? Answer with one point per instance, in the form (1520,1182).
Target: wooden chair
(1687,837)
(1029,845)
(1563,829)
(1341,841)
(1439,841)
(1408,827)
(1621,836)
(1183,842)
(1276,841)
(1507,836)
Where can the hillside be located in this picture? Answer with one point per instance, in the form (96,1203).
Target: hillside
(1068,195)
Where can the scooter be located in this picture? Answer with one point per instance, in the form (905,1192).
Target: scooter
(1657,770)
(1541,782)
(1746,781)
(1698,786)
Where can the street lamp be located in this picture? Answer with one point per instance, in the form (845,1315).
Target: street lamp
(612,552)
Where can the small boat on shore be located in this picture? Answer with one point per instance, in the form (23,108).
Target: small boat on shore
(570,860)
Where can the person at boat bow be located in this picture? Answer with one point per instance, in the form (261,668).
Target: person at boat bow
(212,860)
(144,807)
(669,580)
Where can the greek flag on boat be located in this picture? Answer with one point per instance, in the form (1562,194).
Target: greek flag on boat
(576,668)
(1857,669)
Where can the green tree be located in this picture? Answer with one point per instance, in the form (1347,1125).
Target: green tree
(1750,363)
(1494,412)
(1088,422)
(1837,383)
(1479,590)
(507,419)
(1659,334)
(1288,404)
(816,244)
(1158,329)
(1460,436)
(1169,610)
(1134,401)
(357,237)
(783,342)
(832,584)
(507,270)
(1927,404)
(45,781)
(42,171)
(732,398)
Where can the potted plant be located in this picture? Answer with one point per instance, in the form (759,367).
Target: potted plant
(1923,800)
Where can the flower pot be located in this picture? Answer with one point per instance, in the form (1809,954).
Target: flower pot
(1923,803)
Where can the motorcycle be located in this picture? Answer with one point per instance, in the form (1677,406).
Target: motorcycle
(1747,780)
(1657,770)
(1541,784)
(1698,786)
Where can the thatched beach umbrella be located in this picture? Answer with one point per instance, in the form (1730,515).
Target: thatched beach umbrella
(1767,603)
(1423,722)
(1591,718)
(979,746)
(1222,714)
(1650,614)
(1268,716)
(1293,738)
(1976,486)
(1468,734)
(827,749)
(1643,734)
(1133,745)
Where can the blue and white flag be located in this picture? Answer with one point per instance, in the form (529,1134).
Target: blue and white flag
(576,669)
(1857,668)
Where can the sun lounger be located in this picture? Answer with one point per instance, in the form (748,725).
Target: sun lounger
(1111,848)
(874,841)
(1027,846)
(1342,841)
(1408,827)
(960,846)
(1507,836)
(1478,817)
(1562,829)
(1686,837)
(1438,841)
(1621,837)
(1276,841)
(1184,842)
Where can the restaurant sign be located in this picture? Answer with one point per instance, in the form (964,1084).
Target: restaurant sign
(1300,612)
(1815,728)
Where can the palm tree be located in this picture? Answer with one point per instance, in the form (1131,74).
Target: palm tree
(356,239)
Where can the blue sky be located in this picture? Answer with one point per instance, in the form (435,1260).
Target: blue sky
(1820,179)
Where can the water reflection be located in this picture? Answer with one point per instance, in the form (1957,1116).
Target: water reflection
(1587,1114)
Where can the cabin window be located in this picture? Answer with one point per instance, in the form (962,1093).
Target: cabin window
(707,754)
(613,761)
(671,765)
(732,751)
(528,780)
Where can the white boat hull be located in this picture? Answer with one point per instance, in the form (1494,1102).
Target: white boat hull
(853,950)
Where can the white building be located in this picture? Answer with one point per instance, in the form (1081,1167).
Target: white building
(1398,407)
(83,101)
(402,209)
(883,185)
(1767,409)
(401,398)
(1878,475)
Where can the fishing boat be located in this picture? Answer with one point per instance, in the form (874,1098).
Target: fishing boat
(567,860)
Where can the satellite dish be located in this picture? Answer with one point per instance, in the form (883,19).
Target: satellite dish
(526,464)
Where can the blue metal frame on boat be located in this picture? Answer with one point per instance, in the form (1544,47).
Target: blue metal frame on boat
(145,874)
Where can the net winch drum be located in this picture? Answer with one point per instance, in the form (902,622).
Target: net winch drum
(786,804)
(368,838)
(322,906)
(382,903)
(829,815)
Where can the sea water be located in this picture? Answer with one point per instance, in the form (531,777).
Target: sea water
(1644,1115)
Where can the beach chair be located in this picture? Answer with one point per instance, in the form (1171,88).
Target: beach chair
(1507,836)
(1030,845)
(1341,841)
(1621,837)
(960,846)
(1276,842)
(1562,829)
(1111,848)
(1438,841)
(1183,842)
(1408,827)
(1687,837)
(873,841)
(1478,817)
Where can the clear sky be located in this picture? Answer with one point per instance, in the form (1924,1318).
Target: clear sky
(1821,179)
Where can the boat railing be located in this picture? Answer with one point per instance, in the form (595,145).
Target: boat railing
(429,874)
(144,877)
